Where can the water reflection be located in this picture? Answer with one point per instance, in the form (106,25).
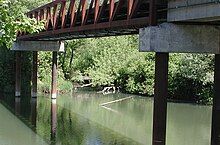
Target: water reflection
(53,120)
(12,130)
(80,120)
(33,114)
(17,105)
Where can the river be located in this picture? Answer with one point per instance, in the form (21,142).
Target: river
(79,119)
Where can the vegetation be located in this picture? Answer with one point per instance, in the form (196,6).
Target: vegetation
(117,61)
(107,61)
(12,20)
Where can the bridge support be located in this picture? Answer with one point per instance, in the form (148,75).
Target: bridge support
(54,76)
(34,75)
(18,75)
(215,138)
(160,98)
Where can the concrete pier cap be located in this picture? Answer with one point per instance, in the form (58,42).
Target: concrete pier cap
(180,38)
(38,46)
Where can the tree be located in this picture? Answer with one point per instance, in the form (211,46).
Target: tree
(13,19)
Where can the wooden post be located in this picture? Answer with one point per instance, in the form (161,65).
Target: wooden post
(18,75)
(54,76)
(215,137)
(160,99)
(34,75)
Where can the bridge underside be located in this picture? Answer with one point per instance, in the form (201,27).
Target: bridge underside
(98,18)
(122,27)
(72,20)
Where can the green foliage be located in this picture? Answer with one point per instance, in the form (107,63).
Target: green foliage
(44,74)
(107,61)
(116,61)
(13,19)
(191,77)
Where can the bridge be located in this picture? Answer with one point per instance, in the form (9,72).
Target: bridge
(164,26)
(84,19)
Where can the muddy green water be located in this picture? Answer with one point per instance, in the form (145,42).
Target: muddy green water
(79,119)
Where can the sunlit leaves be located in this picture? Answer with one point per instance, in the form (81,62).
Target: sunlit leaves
(13,19)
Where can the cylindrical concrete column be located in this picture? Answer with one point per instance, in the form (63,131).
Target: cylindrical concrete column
(215,137)
(34,75)
(160,99)
(54,76)
(18,75)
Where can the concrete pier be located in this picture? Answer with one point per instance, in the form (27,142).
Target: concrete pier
(18,75)
(38,46)
(168,37)
(193,10)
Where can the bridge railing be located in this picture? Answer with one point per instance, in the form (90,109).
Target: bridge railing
(61,14)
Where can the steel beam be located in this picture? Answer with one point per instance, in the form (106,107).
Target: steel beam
(34,75)
(215,137)
(54,76)
(18,75)
(160,88)
(160,98)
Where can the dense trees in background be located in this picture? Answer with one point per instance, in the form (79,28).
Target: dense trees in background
(116,61)
(112,61)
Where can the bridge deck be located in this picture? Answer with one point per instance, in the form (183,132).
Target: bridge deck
(93,18)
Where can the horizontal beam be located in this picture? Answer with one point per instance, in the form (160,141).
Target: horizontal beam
(96,28)
(193,10)
(169,37)
(38,46)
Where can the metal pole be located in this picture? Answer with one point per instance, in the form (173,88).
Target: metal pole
(215,137)
(18,75)
(160,99)
(153,13)
(161,87)
(54,76)
(34,75)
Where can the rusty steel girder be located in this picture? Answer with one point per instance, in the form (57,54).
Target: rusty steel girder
(94,18)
